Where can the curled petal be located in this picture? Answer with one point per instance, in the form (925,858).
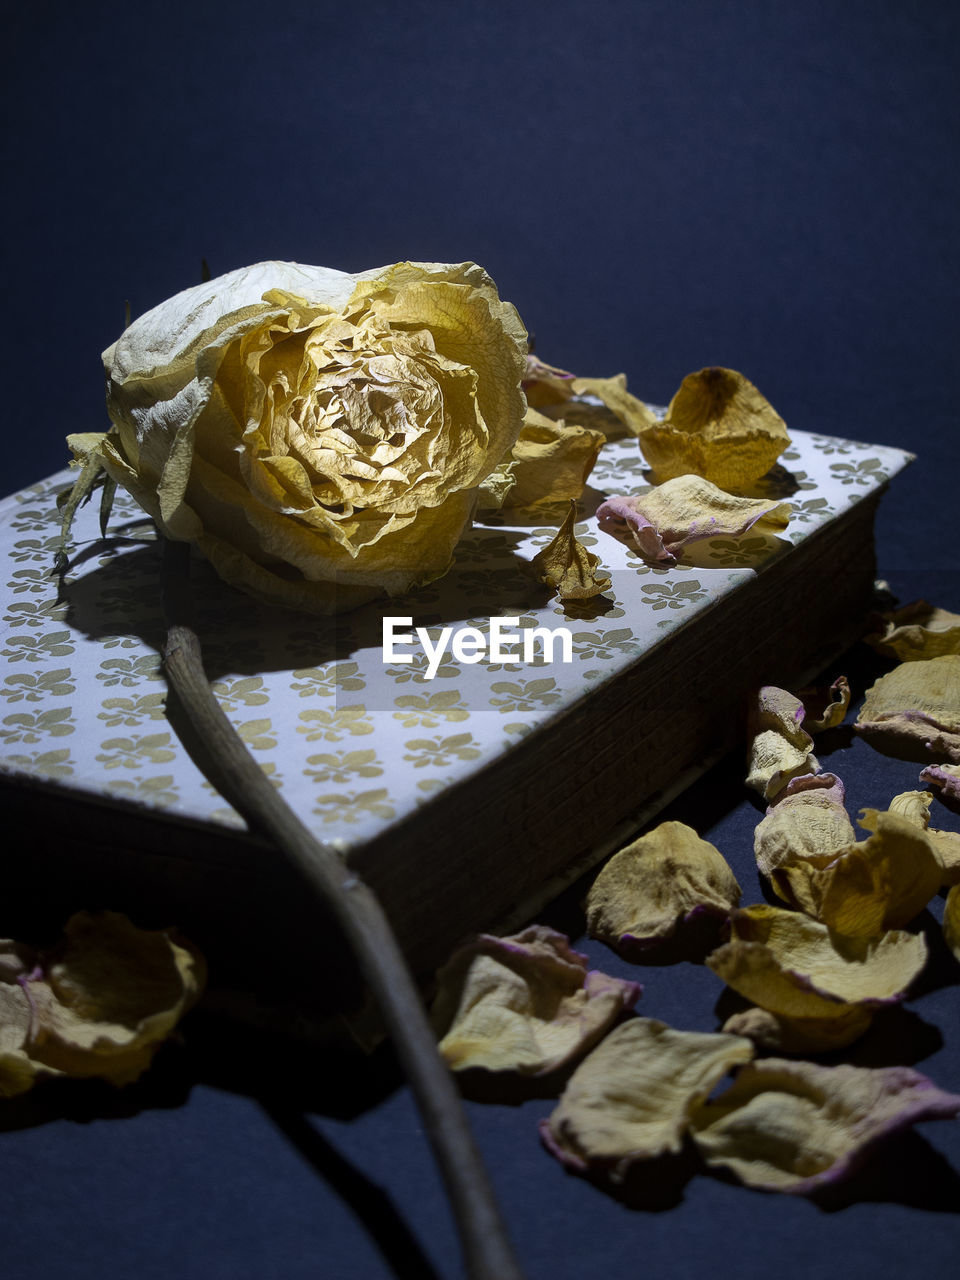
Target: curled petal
(799,968)
(687,509)
(808,820)
(632,1098)
(656,883)
(913,712)
(718,425)
(525,1003)
(776,1033)
(945,779)
(550,461)
(916,632)
(567,567)
(557,393)
(796,1127)
(825,707)
(915,807)
(951,920)
(780,748)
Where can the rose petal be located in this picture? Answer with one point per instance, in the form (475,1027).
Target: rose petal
(525,1003)
(780,748)
(631,1099)
(774,1032)
(567,567)
(945,778)
(808,820)
(799,968)
(913,712)
(915,807)
(550,461)
(653,885)
(796,1127)
(916,632)
(951,920)
(825,706)
(719,426)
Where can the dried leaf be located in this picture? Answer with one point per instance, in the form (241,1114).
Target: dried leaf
(796,1127)
(656,884)
(719,426)
(525,1003)
(913,712)
(916,632)
(683,510)
(799,968)
(632,1098)
(567,567)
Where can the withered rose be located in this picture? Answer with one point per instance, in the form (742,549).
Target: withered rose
(319,436)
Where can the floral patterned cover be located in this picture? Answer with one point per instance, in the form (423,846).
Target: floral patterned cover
(354,743)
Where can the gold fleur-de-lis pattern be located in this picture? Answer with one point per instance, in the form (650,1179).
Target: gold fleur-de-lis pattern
(355,744)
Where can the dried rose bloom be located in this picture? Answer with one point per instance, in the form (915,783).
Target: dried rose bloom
(567,567)
(632,1098)
(665,519)
(870,885)
(913,712)
(525,1003)
(780,747)
(550,463)
(799,968)
(559,394)
(319,436)
(100,1005)
(718,426)
(797,1127)
(916,632)
(657,883)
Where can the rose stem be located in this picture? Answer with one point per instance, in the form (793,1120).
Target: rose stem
(487,1250)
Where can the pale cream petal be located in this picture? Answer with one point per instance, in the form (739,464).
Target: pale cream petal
(951,920)
(796,1127)
(525,1003)
(808,820)
(550,461)
(657,883)
(913,712)
(773,1032)
(718,425)
(799,968)
(632,1098)
(780,748)
(916,632)
(567,567)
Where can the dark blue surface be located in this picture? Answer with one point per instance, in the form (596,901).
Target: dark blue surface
(657,186)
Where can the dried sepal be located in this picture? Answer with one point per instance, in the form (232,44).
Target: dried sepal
(567,567)
(549,463)
(525,1003)
(951,920)
(913,712)
(632,1098)
(945,779)
(799,968)
(916,632)
(809,819)
(655,884)
(688,508)
(796,1127)
(780,748)
(718,425)
(775,1033)
(871,885)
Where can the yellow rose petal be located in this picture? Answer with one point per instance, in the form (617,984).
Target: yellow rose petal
(775,1033)
(809,820)
(631,1099)
(796,1127)
(915,807)
(913,712)
(567,567)
(718,426)
(799,968)
(780,748)
(951,920)
(656,884)
(525,1003)
(550,461)
(916,632)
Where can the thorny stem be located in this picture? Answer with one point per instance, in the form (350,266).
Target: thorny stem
(487,1251)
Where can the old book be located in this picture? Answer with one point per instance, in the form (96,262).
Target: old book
(467,792)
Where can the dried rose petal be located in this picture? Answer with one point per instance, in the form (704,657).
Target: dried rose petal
(946,779)
(913,712)
(567,566)
(915,807)
(660,880)
(951,920)
(557,393)
(808,820)
(662,521)
(780,747)
(549,463)
(798,968)
(916,632)
(718,425)
(631,1099)
(871,885)
(774,1032)
(525,1003)
(825,706)
(795,1127)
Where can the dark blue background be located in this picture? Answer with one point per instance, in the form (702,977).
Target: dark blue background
(657,186)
